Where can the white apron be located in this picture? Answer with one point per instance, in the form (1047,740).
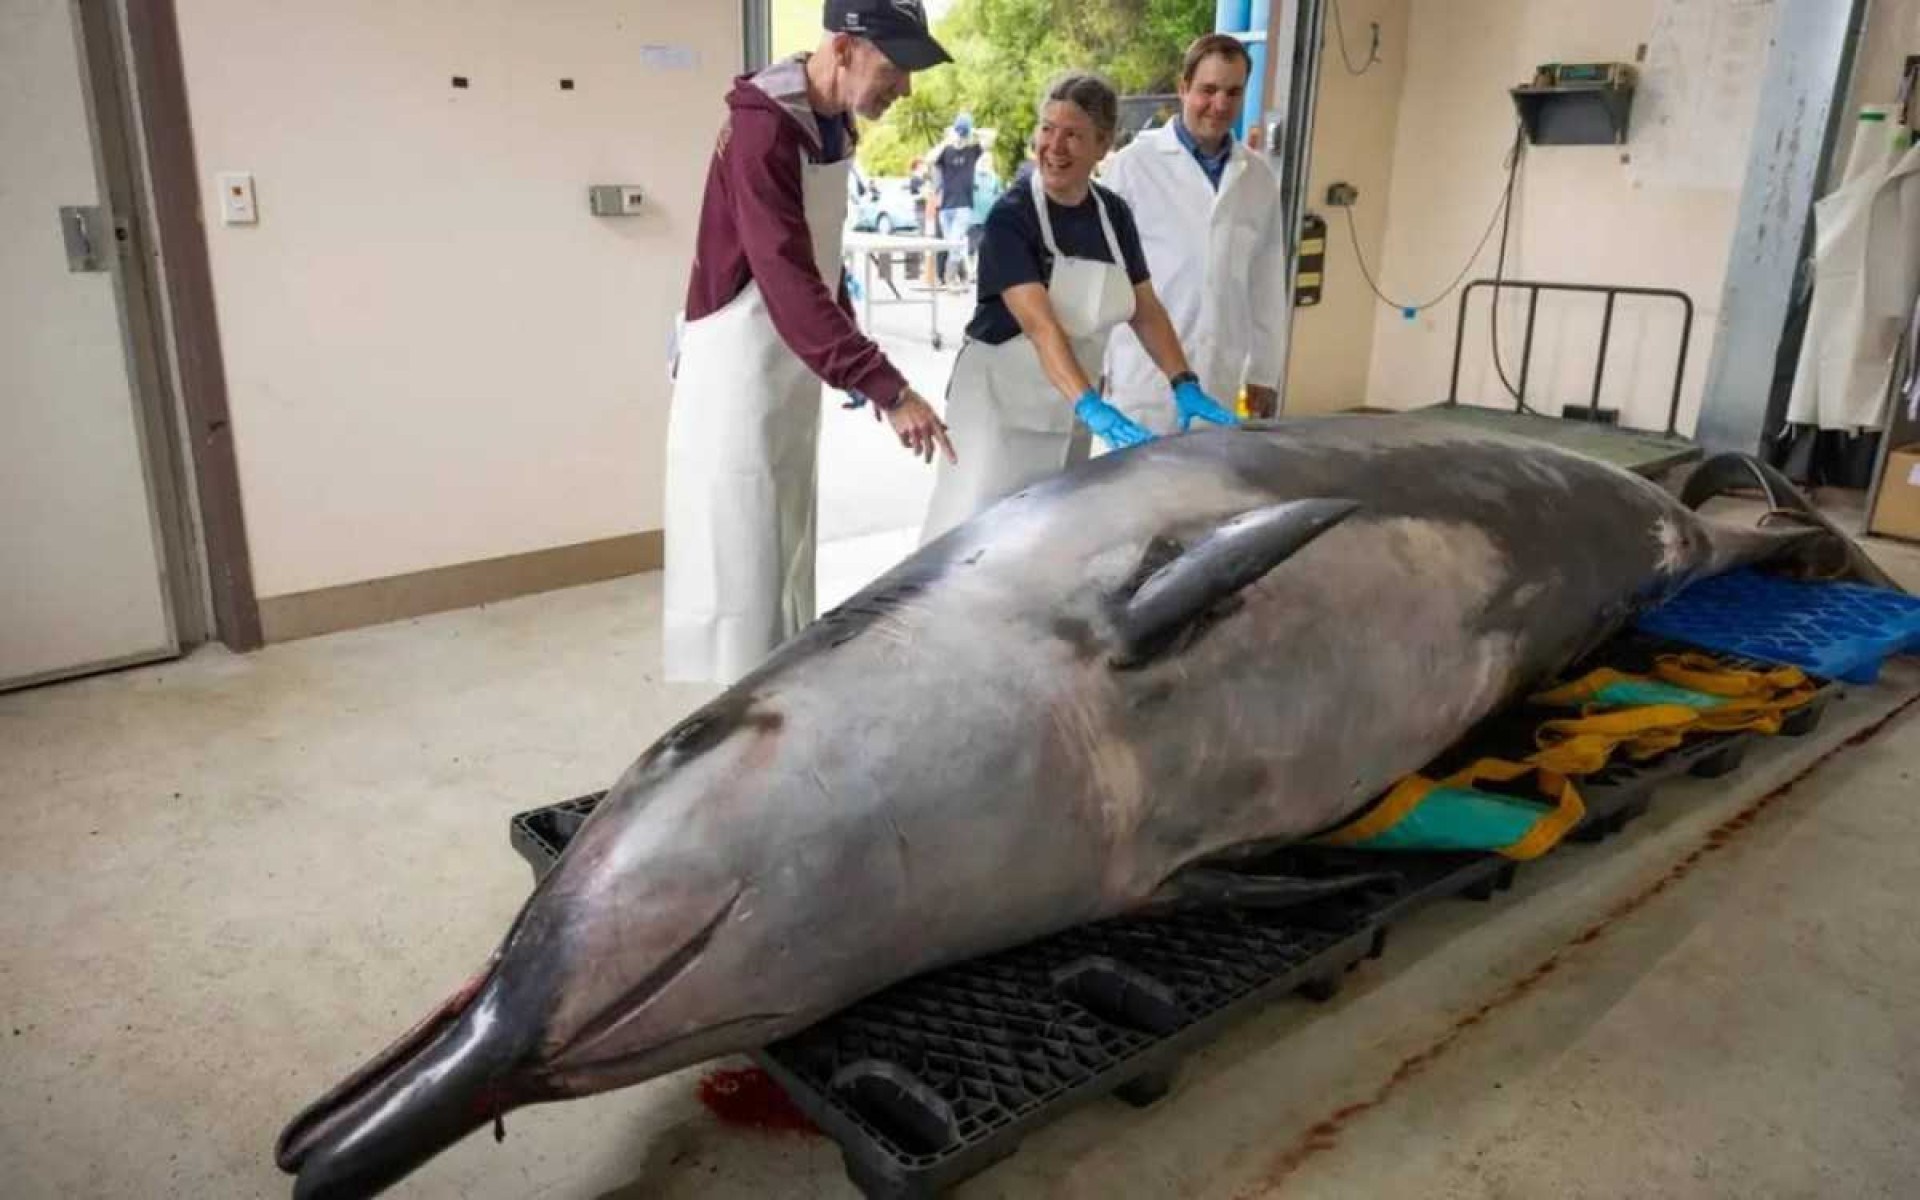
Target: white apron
(1866,270)
(1009,425)
(742,464)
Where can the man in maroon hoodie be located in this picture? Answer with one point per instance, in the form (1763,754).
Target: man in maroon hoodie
(768,319)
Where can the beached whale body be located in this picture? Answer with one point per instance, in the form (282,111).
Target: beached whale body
(1214,641)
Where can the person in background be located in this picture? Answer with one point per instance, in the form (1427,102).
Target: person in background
(953,169)
(1060,268)
(917,184)
(987,189)
(917,192)
(1210,220)
(768,319)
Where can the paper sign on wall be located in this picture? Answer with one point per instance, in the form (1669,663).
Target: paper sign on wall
(1699,94)
(657,57)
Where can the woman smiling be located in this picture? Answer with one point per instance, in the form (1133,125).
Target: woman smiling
(1060,268)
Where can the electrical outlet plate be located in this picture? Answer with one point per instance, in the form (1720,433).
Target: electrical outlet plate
(236,199)
(614,199)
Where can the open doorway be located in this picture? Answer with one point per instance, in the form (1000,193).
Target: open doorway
(916,299)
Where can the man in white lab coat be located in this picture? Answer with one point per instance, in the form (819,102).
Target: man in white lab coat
(1211,223)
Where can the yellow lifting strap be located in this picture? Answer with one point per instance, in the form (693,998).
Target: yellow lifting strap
(1546,833)
(1648,722)
(1414,790)
(1584,745)
(1756,700)
(1406,796)
(1788,686)
(1703,674)
(1582,691)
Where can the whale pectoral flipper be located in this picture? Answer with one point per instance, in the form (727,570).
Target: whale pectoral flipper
(1182,582)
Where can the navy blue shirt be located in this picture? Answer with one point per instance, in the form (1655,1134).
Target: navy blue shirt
(833,137)
(954,166)
(1012,252)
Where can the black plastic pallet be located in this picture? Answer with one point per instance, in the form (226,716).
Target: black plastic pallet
(935,1079)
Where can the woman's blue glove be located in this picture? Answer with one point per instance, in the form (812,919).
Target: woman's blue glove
(1108,422)
(1190,402)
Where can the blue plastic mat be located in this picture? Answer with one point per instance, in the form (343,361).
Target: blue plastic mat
(1834,630)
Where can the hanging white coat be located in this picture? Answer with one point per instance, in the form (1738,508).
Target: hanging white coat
(1866,273)
(1219,265)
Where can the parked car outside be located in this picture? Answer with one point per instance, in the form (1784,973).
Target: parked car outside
(885,205)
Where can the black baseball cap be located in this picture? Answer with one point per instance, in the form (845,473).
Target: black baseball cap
(898,27)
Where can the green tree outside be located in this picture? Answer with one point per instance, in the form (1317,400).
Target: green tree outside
(1004,52)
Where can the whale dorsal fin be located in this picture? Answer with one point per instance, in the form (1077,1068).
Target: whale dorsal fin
(1182,582)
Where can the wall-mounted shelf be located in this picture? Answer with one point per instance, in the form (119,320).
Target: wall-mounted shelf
(1596,115)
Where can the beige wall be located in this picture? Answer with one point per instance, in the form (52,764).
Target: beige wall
(1353,140)
(435,354)
(1580,216)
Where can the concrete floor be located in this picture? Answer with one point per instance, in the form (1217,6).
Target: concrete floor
(225,881)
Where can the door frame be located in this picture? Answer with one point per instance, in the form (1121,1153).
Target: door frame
(134,269)
(1309,31)
(102,86)
(139,66)
(756,23)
